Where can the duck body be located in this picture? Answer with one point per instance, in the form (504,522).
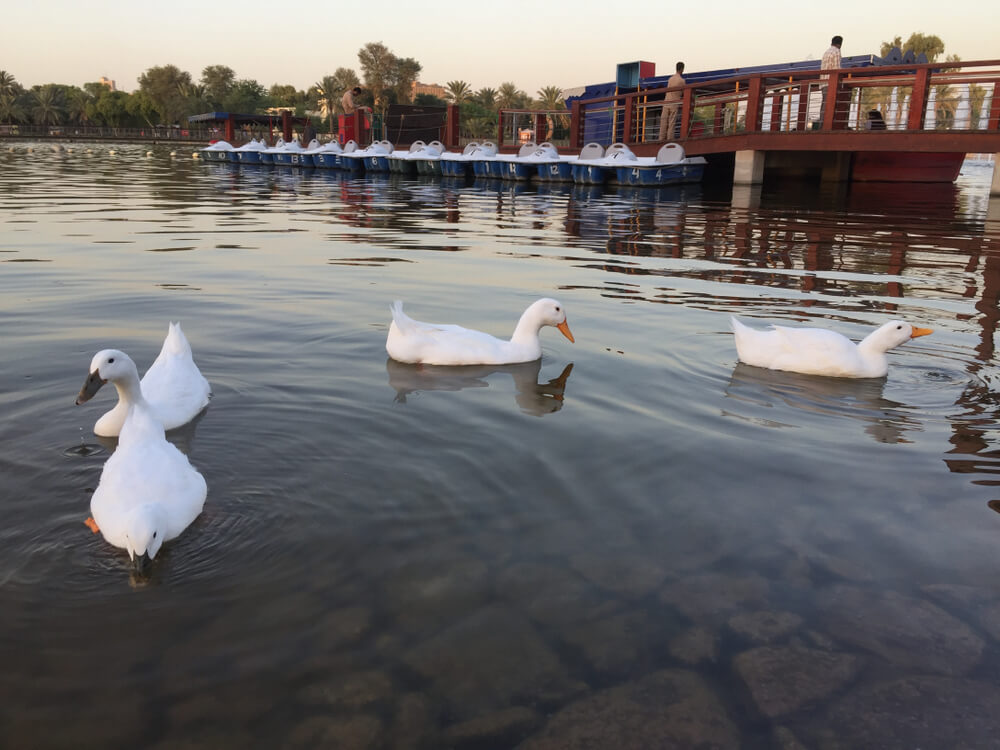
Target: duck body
(173,387)
(148,492)
(415,342)
(817,351)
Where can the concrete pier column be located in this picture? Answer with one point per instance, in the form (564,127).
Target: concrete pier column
(749,168)
(995,186)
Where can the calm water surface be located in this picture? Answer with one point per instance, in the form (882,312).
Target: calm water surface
(635,542)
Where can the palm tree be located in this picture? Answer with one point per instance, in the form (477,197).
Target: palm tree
(11,110)
(487,97)
(47,107)
(327,98)
(458,91)
(509,96)
(550,97)
(8,84)
(78,106)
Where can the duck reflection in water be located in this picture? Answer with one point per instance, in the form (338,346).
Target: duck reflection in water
(860,399)
(533,397)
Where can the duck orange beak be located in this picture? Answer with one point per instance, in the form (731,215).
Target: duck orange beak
(564,329)
(921,332)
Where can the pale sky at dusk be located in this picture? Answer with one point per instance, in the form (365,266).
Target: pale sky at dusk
(485,44)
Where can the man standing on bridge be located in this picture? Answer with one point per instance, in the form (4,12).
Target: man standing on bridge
(672,103)
(830,61)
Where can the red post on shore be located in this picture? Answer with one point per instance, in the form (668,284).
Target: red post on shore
(687,100)
(230,129)
(754,105)
(918,99)
(541,128)
(286,125)
(451,131)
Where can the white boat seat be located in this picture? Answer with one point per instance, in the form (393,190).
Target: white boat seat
(670,153)
(592,151)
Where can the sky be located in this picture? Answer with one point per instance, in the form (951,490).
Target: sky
(532,44)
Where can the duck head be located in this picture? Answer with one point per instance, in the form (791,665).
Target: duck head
(892,334)
(550,312)
(145,529)
(107,365)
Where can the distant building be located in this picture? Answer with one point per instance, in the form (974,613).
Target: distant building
(107,82)
(429,88)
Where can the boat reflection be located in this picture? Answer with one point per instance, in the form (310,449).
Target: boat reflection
(533,397)
(860,399)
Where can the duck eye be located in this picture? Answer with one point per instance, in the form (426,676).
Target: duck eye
(154,535)
(110,360)
(557,308)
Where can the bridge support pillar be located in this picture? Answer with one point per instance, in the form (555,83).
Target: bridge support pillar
(749,168)
(995,186)
(838,169)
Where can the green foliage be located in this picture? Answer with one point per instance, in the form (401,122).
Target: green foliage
(928,44)
(163,85)
(511,97)
(112,108)
(405,75)
(429,100)
(47,104)
(245,97)
(217,81)
(550,97)
(486,97)
(11,109)
(388,78)
(477,121)
(459,92)
(9,85)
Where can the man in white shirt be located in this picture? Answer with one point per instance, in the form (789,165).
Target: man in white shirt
(830,61)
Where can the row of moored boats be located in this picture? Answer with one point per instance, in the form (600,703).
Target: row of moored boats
(593,165)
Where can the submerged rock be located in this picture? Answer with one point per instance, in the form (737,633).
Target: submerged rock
(551,595)
(783,679)
(502,728)
(711,597)
(695,646)
(669,710)
(489,661)
(361,732)
(620,645)
(903,630)
(981,606)
(916,712)
(764,626)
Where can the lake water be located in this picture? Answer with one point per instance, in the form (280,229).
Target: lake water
(633,543)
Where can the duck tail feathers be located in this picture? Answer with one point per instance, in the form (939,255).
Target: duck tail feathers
(176,342)
(403,321)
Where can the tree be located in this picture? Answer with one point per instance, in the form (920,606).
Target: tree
(47,105)
(458,91)
(245,96)
(8,84)
(928,44)
(328,94)
(78,106)
(378,66)
(405,74)
(510,96)
(550,97)
(218,81)
(141,107)
(429,100)
(162,84)
(95,89)
(112,107)
(195,98)
(11,110)
(487,97)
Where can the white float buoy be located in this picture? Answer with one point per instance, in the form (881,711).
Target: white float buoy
(194,155)
(149,153)
(111,152)
(173,153)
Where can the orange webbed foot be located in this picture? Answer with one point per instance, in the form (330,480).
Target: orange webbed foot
(92,525)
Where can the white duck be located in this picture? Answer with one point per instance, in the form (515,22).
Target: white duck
(411,341)
(816,351)
(173,386)
(148,492)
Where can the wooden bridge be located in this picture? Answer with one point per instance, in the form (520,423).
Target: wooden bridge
(802,122)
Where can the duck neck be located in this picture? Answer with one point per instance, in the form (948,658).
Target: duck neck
(130,390)
(526,331)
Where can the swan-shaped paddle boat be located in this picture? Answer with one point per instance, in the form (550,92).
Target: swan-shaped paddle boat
(148,492)
(411,341)
(173,387)
(817,351)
